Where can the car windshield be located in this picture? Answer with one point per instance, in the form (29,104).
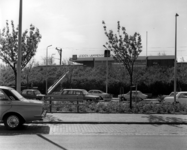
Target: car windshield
(37,92)
(84,92)
(19,96)
(172,94)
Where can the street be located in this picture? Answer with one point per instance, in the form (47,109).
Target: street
(95,137)
(93,142)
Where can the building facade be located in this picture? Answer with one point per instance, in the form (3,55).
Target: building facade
(142,61)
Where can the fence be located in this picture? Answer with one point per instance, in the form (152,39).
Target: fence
(55,102)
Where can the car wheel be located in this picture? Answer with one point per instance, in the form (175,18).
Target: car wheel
(13,121)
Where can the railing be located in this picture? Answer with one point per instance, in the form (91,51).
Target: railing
(53,101)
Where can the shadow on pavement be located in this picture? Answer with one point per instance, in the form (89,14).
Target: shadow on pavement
(50,118)
(25,129)
(159,120)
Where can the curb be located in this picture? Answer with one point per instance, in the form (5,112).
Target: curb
(104,122)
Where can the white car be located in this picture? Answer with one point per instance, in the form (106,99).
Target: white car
(103,95)
(136,96)
(15,110)
(181,97)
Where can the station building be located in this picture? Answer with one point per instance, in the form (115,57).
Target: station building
(142,61)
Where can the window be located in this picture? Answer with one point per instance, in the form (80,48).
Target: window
(10,94)
(70,92)
(78,92)
(24,92)
(2,96)
(64,92)
(30,93)
(183,95)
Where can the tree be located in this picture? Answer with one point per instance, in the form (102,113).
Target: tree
(125,48)
(6,76)
(9,46)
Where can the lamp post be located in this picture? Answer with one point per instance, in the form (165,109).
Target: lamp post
(107,54)
(46,66)
(175,65)
(18,79)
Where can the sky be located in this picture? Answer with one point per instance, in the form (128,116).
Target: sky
(76,25)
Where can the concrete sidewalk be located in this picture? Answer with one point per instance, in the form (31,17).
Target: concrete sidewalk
(92,118)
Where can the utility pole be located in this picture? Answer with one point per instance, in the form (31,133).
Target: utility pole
(18,79)
(175,64)
(60,53)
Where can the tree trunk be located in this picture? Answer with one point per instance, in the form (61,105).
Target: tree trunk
(131,91)
(15,75)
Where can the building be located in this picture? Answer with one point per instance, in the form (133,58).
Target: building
(142,61)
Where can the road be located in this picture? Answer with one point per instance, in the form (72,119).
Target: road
(93,142)
(95,137)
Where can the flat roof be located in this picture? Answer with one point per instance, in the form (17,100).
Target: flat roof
(82,59)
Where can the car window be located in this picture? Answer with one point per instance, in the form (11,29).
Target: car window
(30,93)
(84,92)
(70,92)
(10,95)
(183,95)
(24,92)
(64,92)
(78,93)
(37,92)
(2,96)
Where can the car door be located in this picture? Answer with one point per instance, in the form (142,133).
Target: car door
(5,103)
(183,98)
(79,95)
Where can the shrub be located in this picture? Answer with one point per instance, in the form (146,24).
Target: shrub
(122,107)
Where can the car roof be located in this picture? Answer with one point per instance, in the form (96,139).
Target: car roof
(6,87)
(75,89)
(30,90)
(181,92)
(95,90)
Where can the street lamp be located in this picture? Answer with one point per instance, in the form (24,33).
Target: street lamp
(46,66)
(175,65)
(18,79)
(107,54)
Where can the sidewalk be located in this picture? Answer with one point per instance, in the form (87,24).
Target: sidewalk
(96,118)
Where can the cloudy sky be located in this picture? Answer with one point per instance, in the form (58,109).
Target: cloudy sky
(76,25)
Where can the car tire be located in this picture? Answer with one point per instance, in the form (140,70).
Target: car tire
(13,121)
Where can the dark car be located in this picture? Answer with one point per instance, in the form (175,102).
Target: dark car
(103,95)
(75,94)
(32,94)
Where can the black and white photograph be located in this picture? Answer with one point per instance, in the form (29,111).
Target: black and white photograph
(93,74)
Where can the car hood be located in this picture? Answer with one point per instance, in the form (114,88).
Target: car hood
(89,95)
(32,101)
(40,95)
(169,97)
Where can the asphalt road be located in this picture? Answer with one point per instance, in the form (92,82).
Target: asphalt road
(93,142)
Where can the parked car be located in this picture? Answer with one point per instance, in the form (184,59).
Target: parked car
(32,94)
(76,94)
(101,94)
(15,110)
(181,97)
(136,96)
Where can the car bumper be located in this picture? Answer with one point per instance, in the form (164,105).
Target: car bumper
(40,117)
